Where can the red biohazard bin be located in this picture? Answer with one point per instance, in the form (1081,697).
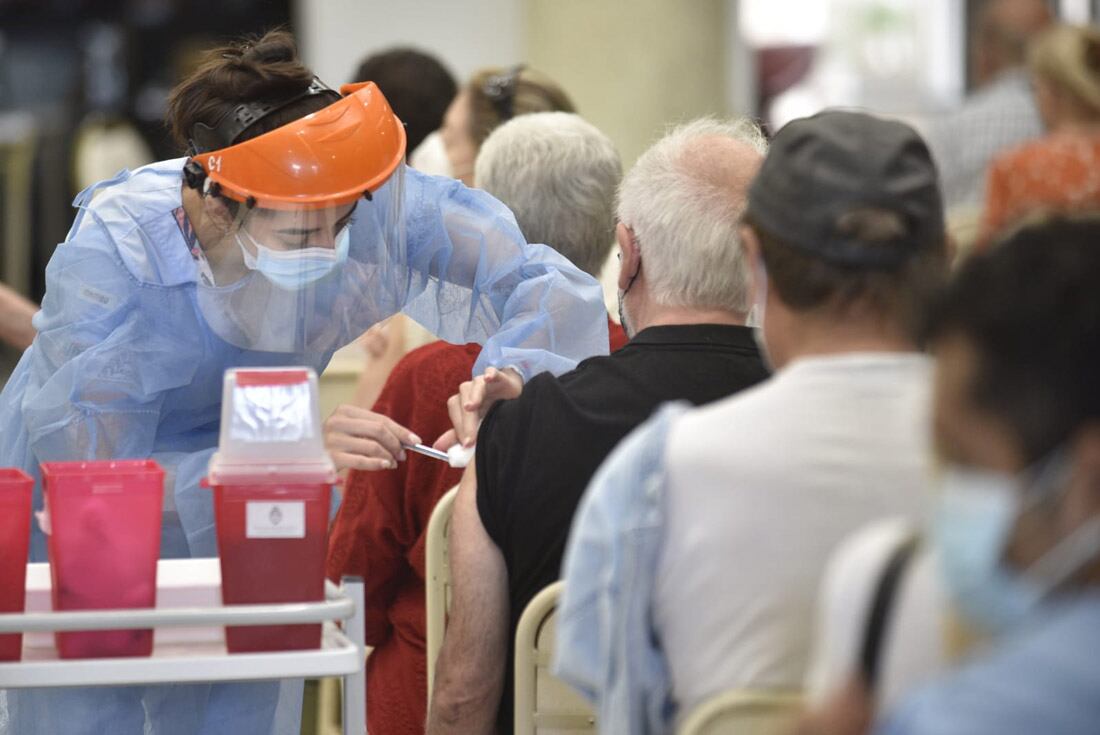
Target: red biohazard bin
(272,539)
(272,483)
(104,541)
(16,490)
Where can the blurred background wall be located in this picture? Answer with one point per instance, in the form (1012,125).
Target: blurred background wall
(633,66)
(467,35)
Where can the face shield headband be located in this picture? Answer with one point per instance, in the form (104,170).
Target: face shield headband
(328,158)
(235,122)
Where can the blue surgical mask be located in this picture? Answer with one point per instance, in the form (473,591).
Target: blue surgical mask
(294,269)
(975,517)
(977,513)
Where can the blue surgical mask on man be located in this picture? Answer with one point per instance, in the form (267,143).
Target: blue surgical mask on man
(977,513)
(294,269)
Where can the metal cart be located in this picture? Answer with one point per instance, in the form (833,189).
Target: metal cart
(197,651)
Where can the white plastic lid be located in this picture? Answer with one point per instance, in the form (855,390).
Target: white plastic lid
(270,416)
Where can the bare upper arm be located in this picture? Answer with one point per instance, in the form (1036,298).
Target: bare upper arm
(470,671)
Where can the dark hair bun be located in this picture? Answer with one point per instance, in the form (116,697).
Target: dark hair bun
(263,69)
(274,48)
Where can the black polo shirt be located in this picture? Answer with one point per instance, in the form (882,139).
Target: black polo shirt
(536,454)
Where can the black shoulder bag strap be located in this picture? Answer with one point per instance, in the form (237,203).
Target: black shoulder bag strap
(878,621)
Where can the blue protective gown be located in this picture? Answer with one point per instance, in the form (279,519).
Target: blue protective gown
(126,366)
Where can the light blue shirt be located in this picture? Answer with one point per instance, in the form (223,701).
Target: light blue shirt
(605,646)
(1043,679)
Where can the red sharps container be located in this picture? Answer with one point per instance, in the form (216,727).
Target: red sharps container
(104,526)
(16,490)
(272,483)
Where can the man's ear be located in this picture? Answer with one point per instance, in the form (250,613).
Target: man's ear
(754,258)
(631,260)
(751,243)
(217,212)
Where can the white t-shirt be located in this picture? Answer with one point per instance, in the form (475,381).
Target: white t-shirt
(761,488)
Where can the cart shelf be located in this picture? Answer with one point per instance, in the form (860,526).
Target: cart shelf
(189,643)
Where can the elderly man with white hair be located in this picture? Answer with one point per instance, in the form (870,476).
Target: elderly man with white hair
(737,505)
(684,295)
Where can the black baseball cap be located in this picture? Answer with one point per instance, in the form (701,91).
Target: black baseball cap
(820,168)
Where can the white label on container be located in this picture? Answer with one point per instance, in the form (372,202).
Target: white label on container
(275,520)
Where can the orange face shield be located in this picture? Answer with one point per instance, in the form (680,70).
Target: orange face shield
(328,158)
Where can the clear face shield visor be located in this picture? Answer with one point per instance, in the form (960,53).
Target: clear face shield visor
(304,280)
(317,216)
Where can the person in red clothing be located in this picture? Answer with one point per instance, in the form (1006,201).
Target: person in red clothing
(380,533)
(1059,173)
(559,175)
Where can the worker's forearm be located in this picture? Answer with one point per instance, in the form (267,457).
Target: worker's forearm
(15,318)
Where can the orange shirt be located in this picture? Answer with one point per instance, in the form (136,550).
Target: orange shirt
(1059,173)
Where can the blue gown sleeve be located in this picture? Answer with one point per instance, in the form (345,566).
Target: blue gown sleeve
(473,278)
(105,355)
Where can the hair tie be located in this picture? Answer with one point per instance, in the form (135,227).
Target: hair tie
(501,91)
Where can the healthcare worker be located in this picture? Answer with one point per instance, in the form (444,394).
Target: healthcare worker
(291,227)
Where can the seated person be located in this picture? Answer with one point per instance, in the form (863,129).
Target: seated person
(1017,427)
(684,294)
(490,98)
(417,86)
(558,174)
(999,112)
(1057,172)
(739,504)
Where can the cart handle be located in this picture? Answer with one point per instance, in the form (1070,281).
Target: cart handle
(336,607)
